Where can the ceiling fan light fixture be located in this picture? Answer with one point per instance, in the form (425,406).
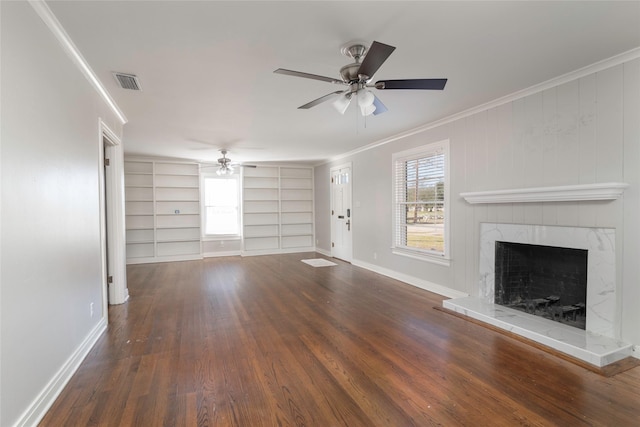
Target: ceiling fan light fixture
(366,101)
(368,110)
(342,103)
(224,170)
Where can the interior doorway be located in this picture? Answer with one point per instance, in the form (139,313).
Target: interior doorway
(341,212)
(112,219)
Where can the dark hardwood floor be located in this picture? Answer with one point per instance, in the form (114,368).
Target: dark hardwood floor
(271,341)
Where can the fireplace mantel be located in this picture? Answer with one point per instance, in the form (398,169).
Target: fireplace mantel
(566,193)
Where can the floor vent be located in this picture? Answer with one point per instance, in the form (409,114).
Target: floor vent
(127,81)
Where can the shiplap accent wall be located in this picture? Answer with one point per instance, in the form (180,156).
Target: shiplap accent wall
(582,131)
(569,134)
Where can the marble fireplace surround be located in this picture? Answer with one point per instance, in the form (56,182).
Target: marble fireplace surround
(601,268)
(598,344)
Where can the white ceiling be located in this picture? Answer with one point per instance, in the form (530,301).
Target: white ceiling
(206,67)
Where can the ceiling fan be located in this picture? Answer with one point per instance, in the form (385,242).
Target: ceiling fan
(226,166)
(357,77)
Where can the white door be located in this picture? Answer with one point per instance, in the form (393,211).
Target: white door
(341,213)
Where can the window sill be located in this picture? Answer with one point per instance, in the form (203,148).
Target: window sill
(434,259)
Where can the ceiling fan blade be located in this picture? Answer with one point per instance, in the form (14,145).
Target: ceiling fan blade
(308,76)
(380,107)
(242,165)
(425,84)
(375,57)
(320,100)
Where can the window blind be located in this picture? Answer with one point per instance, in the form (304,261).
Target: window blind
(420,201)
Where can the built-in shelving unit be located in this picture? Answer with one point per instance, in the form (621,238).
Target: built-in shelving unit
(278,209)
(162,207)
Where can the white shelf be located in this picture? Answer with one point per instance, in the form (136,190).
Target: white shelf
(566,193)
(261,183)
(134,207)
(262,172)
(261,219)
(263,206)
(296,172)
(140,235)
(171,168)
(296,194)
(261,243)
(269,230)
(257,194)
(297,229)
(140,250)
(138,180)
(296,241)
(140,168)
(144,194)
(296,183)
(164,249)
(177,194)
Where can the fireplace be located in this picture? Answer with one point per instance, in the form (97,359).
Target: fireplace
(545,281)
(599,243)
(598,343)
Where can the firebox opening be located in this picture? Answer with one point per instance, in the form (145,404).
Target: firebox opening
(545,281)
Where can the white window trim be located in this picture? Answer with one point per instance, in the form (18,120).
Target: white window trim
(203,208)
(423,255)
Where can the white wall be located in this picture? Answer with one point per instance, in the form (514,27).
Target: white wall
(51,247)
(583,131)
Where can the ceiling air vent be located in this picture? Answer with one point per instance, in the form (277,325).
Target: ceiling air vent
(127,81)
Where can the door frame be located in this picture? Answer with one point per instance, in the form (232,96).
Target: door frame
(331,171)
(112,238)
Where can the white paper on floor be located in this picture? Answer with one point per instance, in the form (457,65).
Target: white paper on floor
(319,262)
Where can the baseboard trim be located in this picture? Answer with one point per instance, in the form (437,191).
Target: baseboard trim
(259,252)
(323,252)
(220,254)
(172,258)
(41,404)
(411,280)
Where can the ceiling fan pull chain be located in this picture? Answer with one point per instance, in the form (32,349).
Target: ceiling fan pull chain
(355,111)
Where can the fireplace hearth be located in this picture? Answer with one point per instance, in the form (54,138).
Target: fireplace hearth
(545,281)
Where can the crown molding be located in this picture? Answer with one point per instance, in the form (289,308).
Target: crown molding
(42,9)
(556,81)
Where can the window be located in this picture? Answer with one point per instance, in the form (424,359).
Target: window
(221,206)
(420,226)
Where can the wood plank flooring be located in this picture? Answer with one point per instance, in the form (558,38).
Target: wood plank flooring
(271,341)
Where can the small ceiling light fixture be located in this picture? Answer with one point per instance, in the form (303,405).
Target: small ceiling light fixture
(342,102)
(225,164)
(224,170)
(366,101)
